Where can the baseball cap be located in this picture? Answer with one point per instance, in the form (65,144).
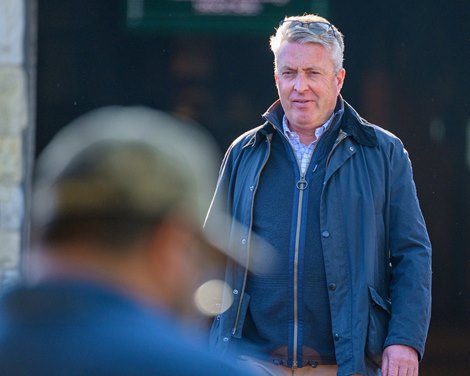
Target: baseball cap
(132,160)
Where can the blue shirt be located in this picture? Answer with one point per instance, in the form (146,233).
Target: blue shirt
(77,328)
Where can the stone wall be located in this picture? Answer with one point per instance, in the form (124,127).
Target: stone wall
(17,26)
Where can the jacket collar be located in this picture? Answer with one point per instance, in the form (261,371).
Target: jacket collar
(358,128)
(352,123)
(274,114)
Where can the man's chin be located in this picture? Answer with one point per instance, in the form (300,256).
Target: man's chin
(305,122)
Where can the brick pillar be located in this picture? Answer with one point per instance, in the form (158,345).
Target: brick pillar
(17,75)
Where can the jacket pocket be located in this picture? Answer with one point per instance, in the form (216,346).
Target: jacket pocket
(379,317)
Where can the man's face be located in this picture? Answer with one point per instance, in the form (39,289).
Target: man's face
(307,84)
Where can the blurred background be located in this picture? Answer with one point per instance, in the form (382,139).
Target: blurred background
(209,60)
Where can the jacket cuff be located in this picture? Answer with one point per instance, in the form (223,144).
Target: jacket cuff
(417,347)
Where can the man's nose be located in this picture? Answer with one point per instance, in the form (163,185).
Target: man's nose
(300,83)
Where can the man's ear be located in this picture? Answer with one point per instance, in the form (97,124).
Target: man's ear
(168,242)
(340,79)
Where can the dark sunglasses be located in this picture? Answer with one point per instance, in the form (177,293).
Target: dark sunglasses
(315,26)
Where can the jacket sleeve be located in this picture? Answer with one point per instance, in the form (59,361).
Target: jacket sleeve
(410,258)
(220,211)
(218,219)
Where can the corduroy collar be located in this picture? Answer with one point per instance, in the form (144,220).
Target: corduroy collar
(352,123)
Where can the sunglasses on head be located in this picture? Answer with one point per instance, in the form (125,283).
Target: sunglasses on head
(314,26)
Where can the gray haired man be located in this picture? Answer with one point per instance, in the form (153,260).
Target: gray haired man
(334,196)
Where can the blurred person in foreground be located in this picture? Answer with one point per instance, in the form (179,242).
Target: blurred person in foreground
(334,196)
(118,206)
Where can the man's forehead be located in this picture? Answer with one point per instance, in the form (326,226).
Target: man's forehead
(304,56)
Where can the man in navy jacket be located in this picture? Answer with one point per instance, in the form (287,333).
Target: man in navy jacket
(333,195)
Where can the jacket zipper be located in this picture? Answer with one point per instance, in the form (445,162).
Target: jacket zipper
(301,186)
(245,277)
